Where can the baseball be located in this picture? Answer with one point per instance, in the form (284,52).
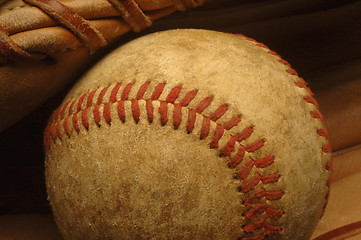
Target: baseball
(188,134)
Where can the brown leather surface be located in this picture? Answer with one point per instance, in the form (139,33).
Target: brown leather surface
(321,40)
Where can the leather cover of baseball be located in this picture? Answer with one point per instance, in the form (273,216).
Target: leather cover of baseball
(188,134)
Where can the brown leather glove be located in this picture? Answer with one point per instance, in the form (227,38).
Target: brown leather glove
(45,44)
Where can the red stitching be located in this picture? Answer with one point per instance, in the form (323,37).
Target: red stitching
(262,193)
(217,136)
(245,134)
(191,120)
(113,94)
(80,102)
(163,110)
(237,159)
(58,130)
(71,107)
(255,146)
(173,95)
(246,169)
(101,95)
(203,105)
(106,113)
(75,122)
(311,100)
(262,45)
(150,110)
(273,213)
(219,113)
(269,229)
(256,211)
(121,110)
(206,125)
(142,91)
(158,91)
(177,115)
(96,114)
(188,98)
(253,182)
(62,113)
(84,118)
(227,150)
(66,126)
(126,91)
(135,110)
(233,122)
(89,102)
(322,132)
(53,130)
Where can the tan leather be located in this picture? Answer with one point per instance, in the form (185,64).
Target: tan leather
(343,209)
(44,47)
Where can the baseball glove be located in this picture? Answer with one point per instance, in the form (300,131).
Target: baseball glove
(44,44)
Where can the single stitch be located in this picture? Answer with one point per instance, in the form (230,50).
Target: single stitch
(245,134)
(66,126)
(126,91)
(62,113)
(71,107)
(232,122)
(121,110)
(254,146)
(135,110)
(203,105)
(142,91)
(113,95)
(75,122)
(150,110)
(158,91)
(96,114)
(80,102)
(217,136)
(219,113)
(84,118)
(101,95)
(106,113)
(188,98)
(89,102)
(163,110)
(177,115)
(191,120)
(173,95)
(206,125)
(58,131)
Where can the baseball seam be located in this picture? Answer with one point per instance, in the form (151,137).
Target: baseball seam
(309,99)
(255,229)
(64,120)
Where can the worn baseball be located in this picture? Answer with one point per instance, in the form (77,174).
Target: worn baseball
(188,134)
